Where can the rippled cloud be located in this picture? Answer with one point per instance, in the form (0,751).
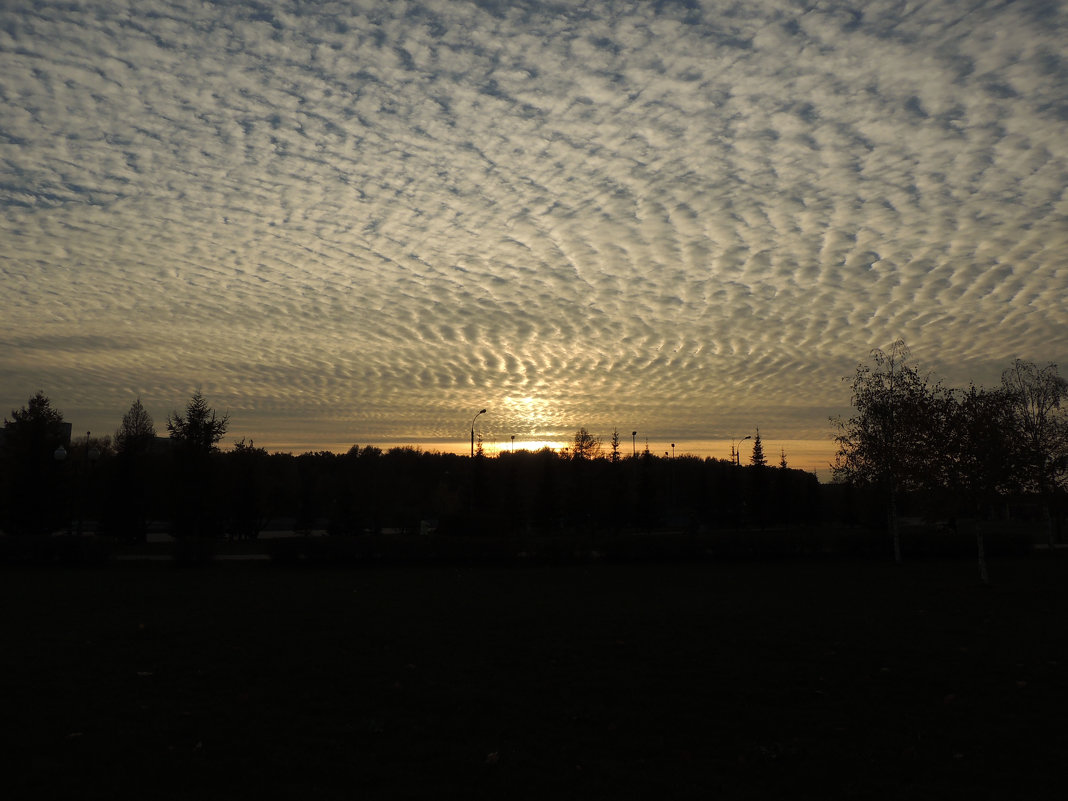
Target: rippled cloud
(364,221)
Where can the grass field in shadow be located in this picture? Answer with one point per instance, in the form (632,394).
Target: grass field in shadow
(788,679)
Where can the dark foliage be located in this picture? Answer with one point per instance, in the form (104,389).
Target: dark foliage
(948,452)
(199,429)
(196,498)
(35,481)
(126,513)
(914,451)
(137,432)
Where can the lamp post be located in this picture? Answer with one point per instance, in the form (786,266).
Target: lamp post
(513,443)
(734,447)
(672,450)
(473,432)
(633,448)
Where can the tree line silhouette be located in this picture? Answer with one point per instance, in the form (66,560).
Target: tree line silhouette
(195,489)
(912,448)
(948,452)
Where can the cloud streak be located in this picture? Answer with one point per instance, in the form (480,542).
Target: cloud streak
(369,218)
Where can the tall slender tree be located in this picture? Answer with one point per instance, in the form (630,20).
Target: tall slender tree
(758,459)
(978,462)
(128,504)
(30,474)
(196,435)
(136,431)
(894,440)
(1040,428)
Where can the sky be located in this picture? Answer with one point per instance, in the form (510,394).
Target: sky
(363,222)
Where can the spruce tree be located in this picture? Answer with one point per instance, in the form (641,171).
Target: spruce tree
(196,436)
(199,429)
(31,476)
(758,459)
(136,432)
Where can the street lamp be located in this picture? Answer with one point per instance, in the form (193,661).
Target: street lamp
(672,450)
(513,443)
(473,432)
(633,451)
(734,448)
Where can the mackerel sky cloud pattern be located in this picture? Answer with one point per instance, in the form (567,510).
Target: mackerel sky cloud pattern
(364,221)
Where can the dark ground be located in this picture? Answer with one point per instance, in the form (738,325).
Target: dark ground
(795,679)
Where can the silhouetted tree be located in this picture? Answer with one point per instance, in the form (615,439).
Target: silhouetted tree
(249,496)
(615,446)
(545,507)
(978,464)
(893,440)
(1039,427)
(758,459)
(200,429)
(32,477)
(585,446)
(127,509)
(196,435)
(314,490)
(758,490)
(646,508)
(347,510)
(136,432)
(36,423)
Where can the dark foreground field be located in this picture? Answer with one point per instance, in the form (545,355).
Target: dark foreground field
(781,680)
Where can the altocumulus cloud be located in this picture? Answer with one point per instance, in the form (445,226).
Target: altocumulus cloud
(363,221)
